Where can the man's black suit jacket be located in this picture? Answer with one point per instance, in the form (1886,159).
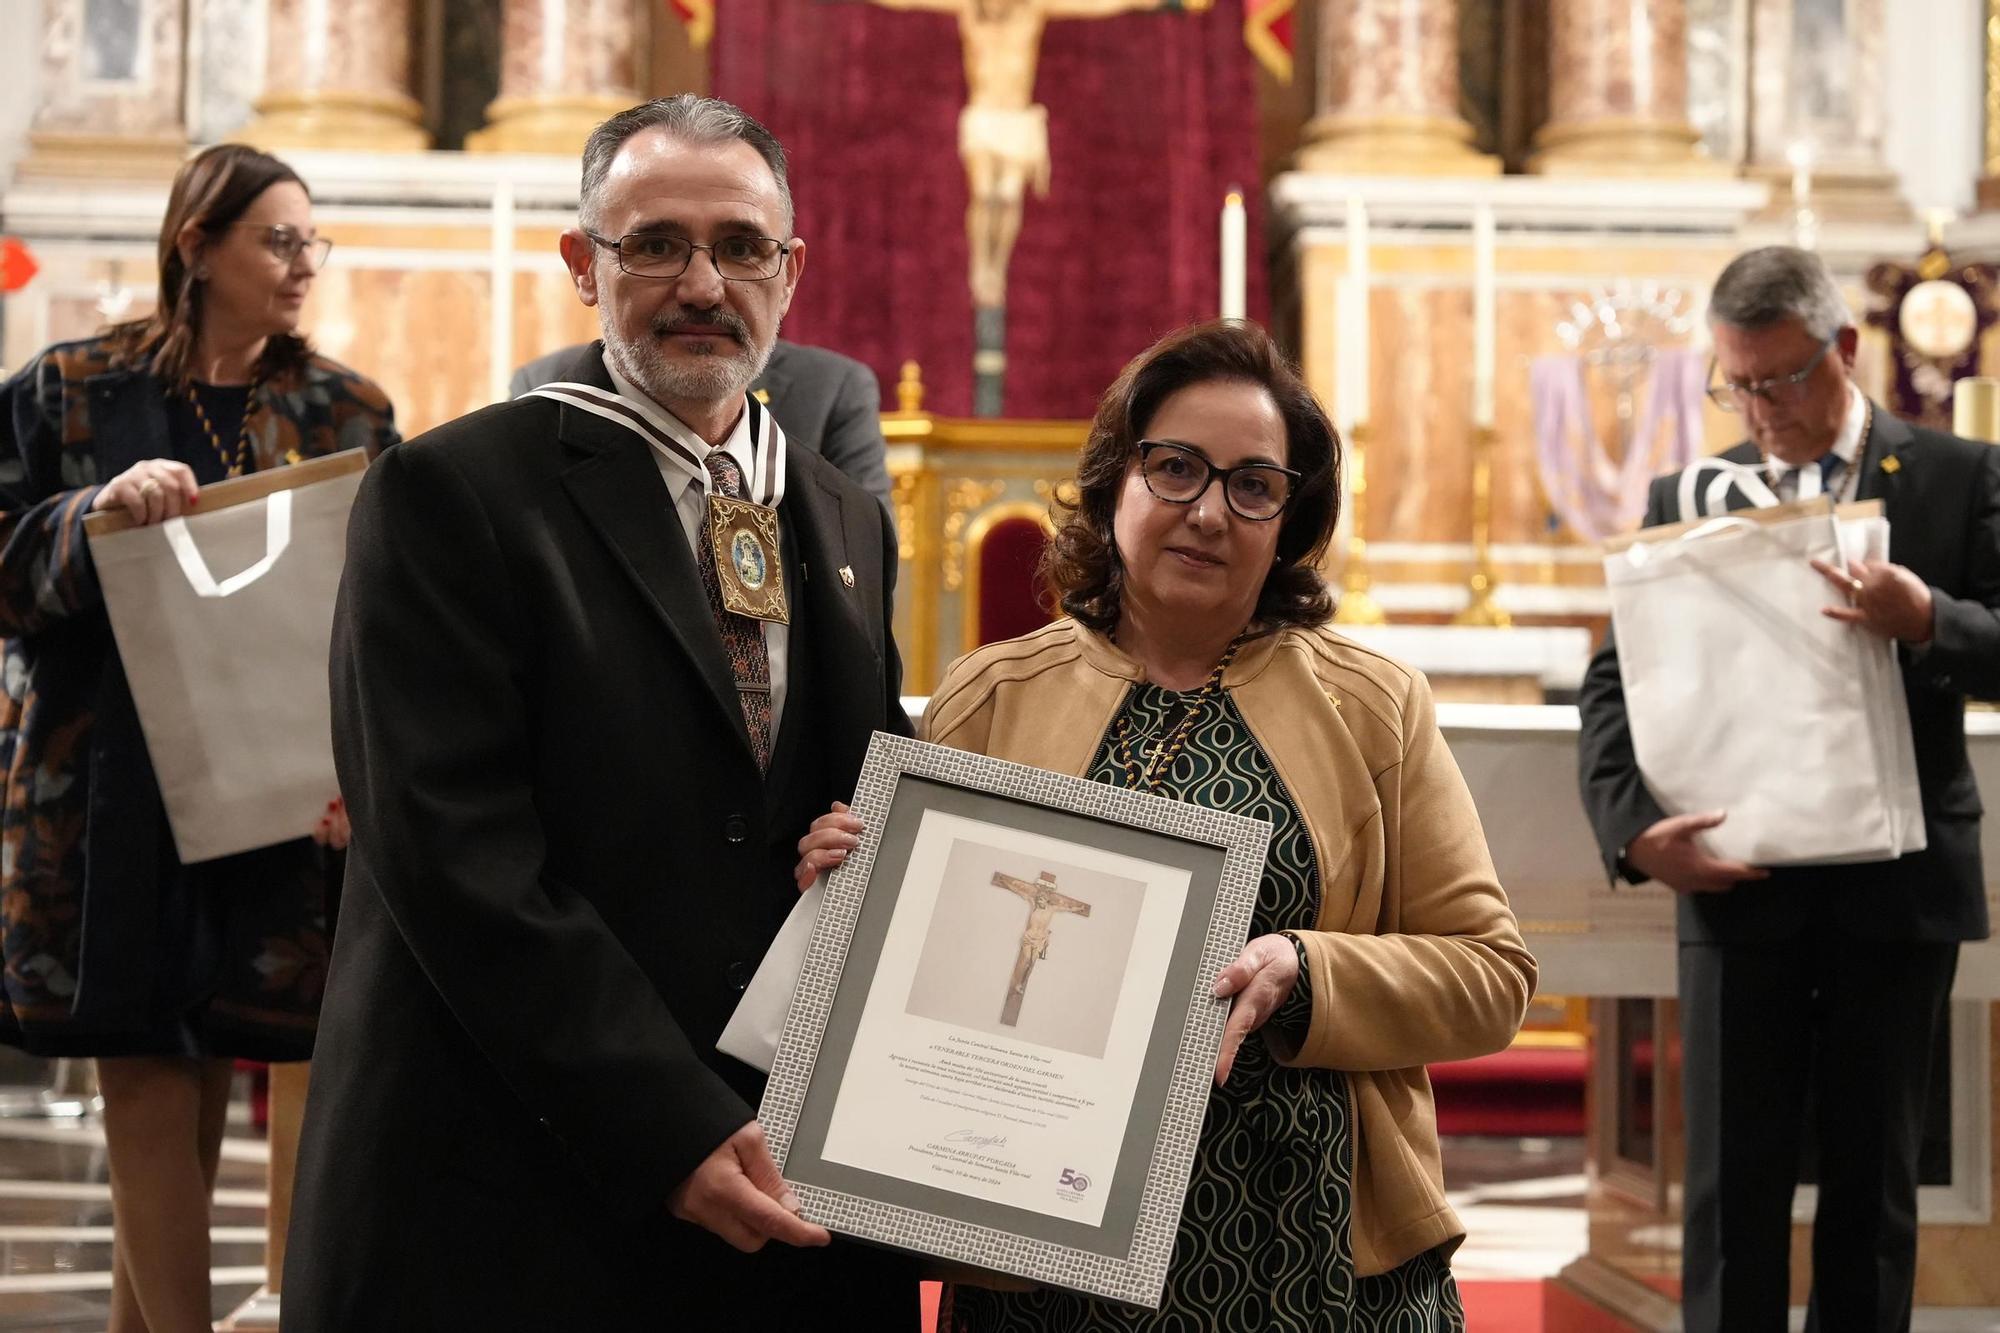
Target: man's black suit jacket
(827,402)
(565,866)
(1942,498)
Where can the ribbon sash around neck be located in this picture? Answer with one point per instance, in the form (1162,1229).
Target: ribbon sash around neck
(764,480)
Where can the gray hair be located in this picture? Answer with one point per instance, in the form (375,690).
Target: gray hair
(690,118)
(1761,287)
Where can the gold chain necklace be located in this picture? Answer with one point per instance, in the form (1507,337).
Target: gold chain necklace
(1149,776)
(235,464)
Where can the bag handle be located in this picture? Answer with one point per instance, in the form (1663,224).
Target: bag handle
(277,536)
(1638,553)
(1745,479)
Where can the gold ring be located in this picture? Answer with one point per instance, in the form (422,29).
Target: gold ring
(1854,587)
(149,484)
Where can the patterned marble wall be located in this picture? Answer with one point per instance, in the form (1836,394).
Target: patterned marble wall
(225,63)
(111,67)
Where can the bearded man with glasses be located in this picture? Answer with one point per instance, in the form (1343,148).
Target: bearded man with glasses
(602,653)
(1831,980)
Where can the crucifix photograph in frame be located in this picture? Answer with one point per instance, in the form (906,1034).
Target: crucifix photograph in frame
(1001,1043)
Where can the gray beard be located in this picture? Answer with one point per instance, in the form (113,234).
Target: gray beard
(720,375)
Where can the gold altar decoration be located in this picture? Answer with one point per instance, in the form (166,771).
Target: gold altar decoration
(1989,180)
(952,480)
(1482,610)
(962,499)
(1357,606)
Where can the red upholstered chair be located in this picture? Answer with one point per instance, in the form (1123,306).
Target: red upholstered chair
(1003,597)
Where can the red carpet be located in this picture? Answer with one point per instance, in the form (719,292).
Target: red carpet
(1502,1307)
(1490,1307)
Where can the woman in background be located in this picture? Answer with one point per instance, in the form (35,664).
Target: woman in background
(165,973)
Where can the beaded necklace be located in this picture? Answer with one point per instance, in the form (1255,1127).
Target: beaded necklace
(243,454)
(1149,776)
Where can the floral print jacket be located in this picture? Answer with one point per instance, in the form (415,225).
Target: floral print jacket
(71,755)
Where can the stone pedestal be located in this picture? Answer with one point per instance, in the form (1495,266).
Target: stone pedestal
(1388,93)
(1618,91)
(111,92)
(338,77)
(566,65)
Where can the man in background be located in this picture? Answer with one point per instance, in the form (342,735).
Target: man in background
(826,402)
(1833,976)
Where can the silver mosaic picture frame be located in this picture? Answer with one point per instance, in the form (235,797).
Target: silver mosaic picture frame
(1138,1275)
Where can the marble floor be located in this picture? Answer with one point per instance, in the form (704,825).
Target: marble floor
(1522,1200)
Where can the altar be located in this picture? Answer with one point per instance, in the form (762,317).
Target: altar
(1617,947)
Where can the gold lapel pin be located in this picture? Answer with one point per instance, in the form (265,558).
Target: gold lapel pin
(847,575)
(1891,465)
(762,395)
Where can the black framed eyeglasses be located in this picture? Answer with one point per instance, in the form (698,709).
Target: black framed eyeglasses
(647,254)
(1181,475)
(1782,391)
(288,243)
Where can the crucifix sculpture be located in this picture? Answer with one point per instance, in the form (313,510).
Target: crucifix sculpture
(1003,139)
(1043,903)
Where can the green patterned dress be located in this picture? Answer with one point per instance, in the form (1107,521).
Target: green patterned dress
(1263,1244)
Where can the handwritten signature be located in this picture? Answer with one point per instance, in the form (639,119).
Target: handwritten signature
(978,1140)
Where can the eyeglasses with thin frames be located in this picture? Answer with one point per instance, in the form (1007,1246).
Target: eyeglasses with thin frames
(288,244)
(646,254)
(1781,391)
(1181,475)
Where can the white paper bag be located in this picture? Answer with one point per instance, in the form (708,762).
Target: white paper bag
(1743,697)
(753,1031)
(224,619)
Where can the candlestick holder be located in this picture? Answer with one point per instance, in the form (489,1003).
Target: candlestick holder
(1482,610)
(1357,605)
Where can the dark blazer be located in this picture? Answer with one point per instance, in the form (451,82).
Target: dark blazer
(1942,498)
(565,867)
(827,402)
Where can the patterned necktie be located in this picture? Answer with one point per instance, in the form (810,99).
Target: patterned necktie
(742,637)
(1810,479)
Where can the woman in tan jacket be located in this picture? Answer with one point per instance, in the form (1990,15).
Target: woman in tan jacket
(1195,663)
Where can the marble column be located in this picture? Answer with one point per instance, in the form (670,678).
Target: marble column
(111,88)
(226,47)
(1817,79)
(1987,190)
(565,65)
(1618,91)
(1387,101)
(338,76)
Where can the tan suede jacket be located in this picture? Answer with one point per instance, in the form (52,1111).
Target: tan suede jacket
(1417,957)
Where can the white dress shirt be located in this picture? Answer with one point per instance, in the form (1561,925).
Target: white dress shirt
(1803,483)
(691,505)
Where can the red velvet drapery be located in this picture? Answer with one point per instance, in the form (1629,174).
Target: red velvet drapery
(1152,117)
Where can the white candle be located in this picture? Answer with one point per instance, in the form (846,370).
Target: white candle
(1357,276)
(1483,298)
(1235,244)
(1800,155)
(1343,348)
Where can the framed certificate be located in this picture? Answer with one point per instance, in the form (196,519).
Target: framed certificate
(1002,1041)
